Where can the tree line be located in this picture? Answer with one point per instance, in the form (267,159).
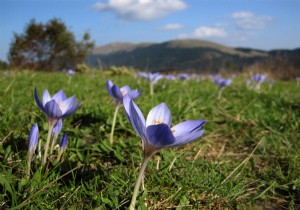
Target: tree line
(47,46)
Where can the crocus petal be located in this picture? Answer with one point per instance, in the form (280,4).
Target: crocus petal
(53,110)
(126,103)
(137,120)
(33,138)
(109,85)
(187,127)
(67,104)
(160,135)
(134,94)
(116,93)
(57,128)
(38,101)
(63,141)
(159,114)
(46,97)
(71,110)
(186,138)
(125,90)
(59,96)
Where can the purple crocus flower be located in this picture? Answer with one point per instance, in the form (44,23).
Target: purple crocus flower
(259,78)
(151,77)
(221,82)
(156,132)
(33,138)
(57,106)
(71,72)
(118,93)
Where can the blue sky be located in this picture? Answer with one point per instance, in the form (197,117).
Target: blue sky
(261,24)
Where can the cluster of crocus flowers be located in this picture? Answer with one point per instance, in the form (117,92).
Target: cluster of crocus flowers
(152,78)
(117,94)
(56,107)
(156,133)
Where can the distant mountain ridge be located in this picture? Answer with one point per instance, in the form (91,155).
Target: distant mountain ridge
(184,55)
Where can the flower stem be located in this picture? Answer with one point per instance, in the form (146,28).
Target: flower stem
(151,88)
(138,182)
(111,140)
(53,143)
(50,128)
(220,93)
(29,164)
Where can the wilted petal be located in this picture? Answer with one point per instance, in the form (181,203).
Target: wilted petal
(53,110)
(160,135)
(187,127)
(59,96)
(67,104)
(186,138)
(38,101)
(159,114)
(46,97)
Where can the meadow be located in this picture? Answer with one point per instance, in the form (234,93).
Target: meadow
(248,157)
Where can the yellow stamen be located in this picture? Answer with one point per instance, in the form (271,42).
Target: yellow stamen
(155,122)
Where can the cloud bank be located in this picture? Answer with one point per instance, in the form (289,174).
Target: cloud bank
(141,9)
(207,32)
(248,20)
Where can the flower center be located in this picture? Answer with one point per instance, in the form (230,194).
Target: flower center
(156,122)
(123,92)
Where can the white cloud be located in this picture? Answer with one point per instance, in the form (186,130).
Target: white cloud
(141,9)
(248,20)
(206,32)
(172,26)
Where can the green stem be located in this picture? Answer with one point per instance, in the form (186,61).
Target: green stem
(52,143)
(29,164)
(138,182)
(220,93)
(50,128)
(151,89)
(111,140)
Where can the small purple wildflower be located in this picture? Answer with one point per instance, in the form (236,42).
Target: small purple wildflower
(156,132)
(259,78)
(33,138)
(57,106)
(118,93)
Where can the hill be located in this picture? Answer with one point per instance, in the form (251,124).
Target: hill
(183,55)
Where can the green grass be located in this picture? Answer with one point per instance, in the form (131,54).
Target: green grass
(248,157)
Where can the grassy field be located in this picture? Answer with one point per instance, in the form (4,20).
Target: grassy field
(248,158)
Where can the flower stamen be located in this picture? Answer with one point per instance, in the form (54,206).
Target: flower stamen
(156,122)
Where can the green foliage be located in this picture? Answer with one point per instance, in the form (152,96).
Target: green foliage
(49,46)
(248,157)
